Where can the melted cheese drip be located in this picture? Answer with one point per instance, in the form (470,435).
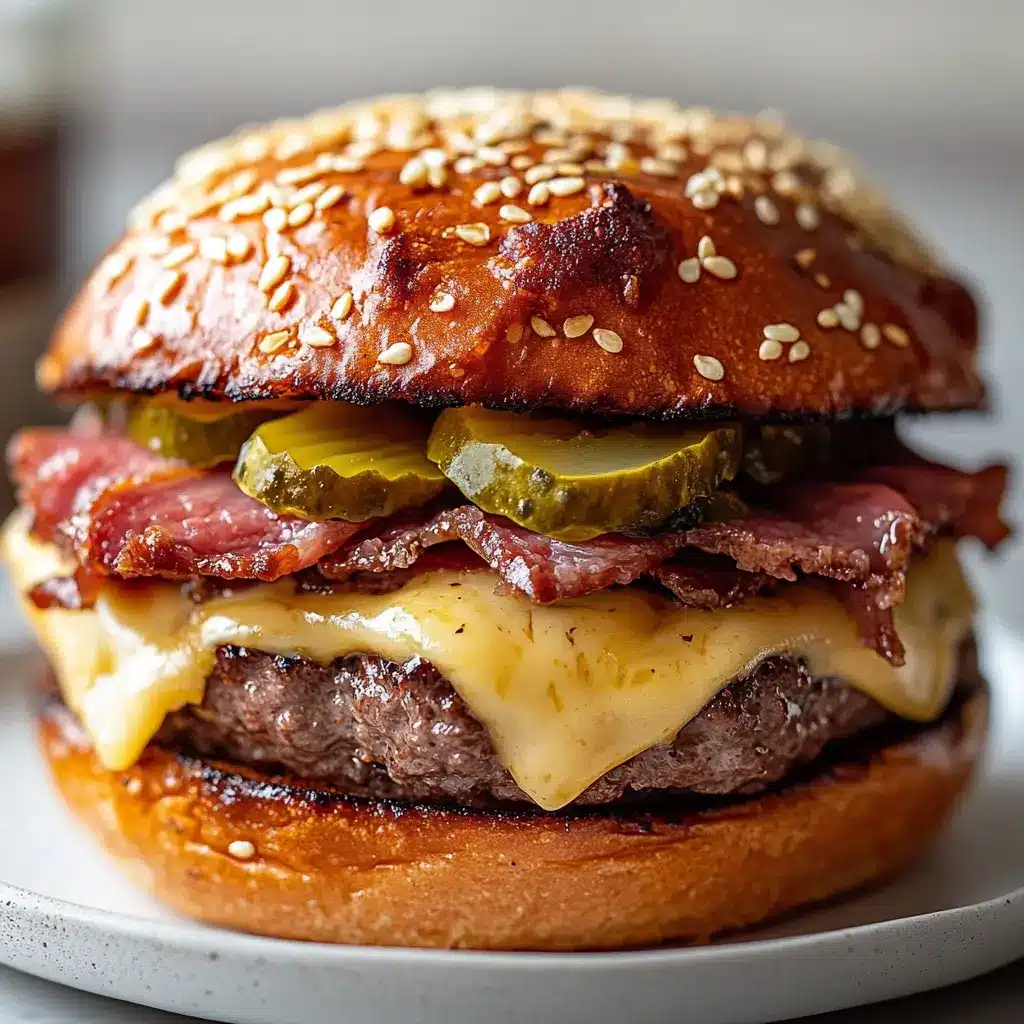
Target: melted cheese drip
(566,691)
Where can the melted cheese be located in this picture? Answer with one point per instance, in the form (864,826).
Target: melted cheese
(566,691)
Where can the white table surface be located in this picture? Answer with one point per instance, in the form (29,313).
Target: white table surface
(982,225)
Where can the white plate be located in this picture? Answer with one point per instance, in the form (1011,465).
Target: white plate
(66,915)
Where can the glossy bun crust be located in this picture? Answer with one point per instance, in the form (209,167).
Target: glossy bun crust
(315,865)
(432,249)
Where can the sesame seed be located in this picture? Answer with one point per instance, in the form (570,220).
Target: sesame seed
(828,318)
(179,254)
(705,200)
(342,306)
(171,221)
(658,168)
(434,157)
(473,234)
(734,186)
(896,335)
(467,165)
(238,245)
(272,342)
(437,176)
(381,220)
(559,155)
(442,302)
(727,160)
(854,300)
(769,350)
(397,354)
(566,186)
(848,318)
(781,332)
(275,220)
(281,297)
(246,206)
(539,172)
(807,216)
(413,173)
(143,340)
(514,334)
(709,367)
(298,175)
(300,215)
(114,267)
(242,849)
(488,192)
(510,186)
(539,194)
(708,180)
(870,336)
(572,169)
(608,340)
(492,155)
(805,257)
(541,327)
(138,310)
(155,245)
(767,212)
(522,161)
(721,266)
(755,154)
(785,182)
(330,196)
(308,193)
(689,270)
(316,336)
(214,249)
(823,281)
(347,164)
(705,248)
(577,326)
(672,152)
(515,214)
(799,352)
(168,285)
(274,271)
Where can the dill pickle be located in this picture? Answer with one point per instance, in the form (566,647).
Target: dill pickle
(558,478)
(199,433)
(338,461)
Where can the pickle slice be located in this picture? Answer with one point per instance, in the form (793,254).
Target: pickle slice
(338,461)
(199,433)
(566,481)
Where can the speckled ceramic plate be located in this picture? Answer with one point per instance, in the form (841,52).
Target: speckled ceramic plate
(66,915)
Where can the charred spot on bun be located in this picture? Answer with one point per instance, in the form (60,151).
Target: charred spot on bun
(507,488)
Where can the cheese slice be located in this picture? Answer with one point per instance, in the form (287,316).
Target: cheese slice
(566,691)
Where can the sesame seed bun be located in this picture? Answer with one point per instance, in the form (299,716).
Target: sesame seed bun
(232,847)
(561,249)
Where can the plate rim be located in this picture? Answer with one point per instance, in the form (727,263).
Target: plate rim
(188,936)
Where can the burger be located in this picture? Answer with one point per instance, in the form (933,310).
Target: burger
(485,524)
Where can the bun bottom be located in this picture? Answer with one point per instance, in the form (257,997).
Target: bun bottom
(328,868)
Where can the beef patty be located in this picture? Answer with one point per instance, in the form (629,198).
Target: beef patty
(374,728)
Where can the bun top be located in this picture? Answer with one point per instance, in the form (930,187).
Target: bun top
(560,249)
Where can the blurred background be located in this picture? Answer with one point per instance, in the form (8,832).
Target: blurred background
(97,98)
